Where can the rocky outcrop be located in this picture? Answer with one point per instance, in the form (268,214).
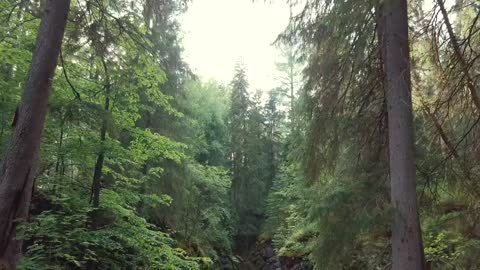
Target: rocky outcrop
(263,257)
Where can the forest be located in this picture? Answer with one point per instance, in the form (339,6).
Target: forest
(115,154)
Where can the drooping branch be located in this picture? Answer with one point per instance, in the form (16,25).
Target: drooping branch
(75,92)
(459,55)
(441,131)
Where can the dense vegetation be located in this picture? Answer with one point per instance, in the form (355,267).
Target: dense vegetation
(142,165)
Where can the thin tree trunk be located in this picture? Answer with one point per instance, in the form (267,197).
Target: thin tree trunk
(97,175)
(98,171)
(60,146)
(407,248)
(16,180)
(459,55)
(2,131)
(291,62)
(59,165)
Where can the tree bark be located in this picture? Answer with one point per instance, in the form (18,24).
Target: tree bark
(98,171)
(407,248)
(16,180)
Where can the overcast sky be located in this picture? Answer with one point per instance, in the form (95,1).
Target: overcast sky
(217,33)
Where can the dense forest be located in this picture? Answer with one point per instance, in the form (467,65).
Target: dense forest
(116,155)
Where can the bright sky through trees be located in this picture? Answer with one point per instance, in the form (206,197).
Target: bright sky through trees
(220,32)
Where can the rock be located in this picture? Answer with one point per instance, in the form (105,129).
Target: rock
(269,252)
(262,256)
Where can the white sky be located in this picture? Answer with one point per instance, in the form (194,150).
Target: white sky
(217,33)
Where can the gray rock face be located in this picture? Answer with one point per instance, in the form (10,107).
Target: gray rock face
(262,256)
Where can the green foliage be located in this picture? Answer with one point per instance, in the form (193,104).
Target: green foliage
(118,79)
(198,183)
(208,221)
(439,248)
(193,172)
(286,217)
(330,203)
(254,129)
(206,105)
(17,39)
(60,238)
(147,145)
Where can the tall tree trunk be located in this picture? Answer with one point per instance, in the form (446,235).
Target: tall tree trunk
(16,180)
(98,171)
(407,248)
(291,74)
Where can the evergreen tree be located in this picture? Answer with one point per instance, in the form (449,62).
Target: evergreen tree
(237,127)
